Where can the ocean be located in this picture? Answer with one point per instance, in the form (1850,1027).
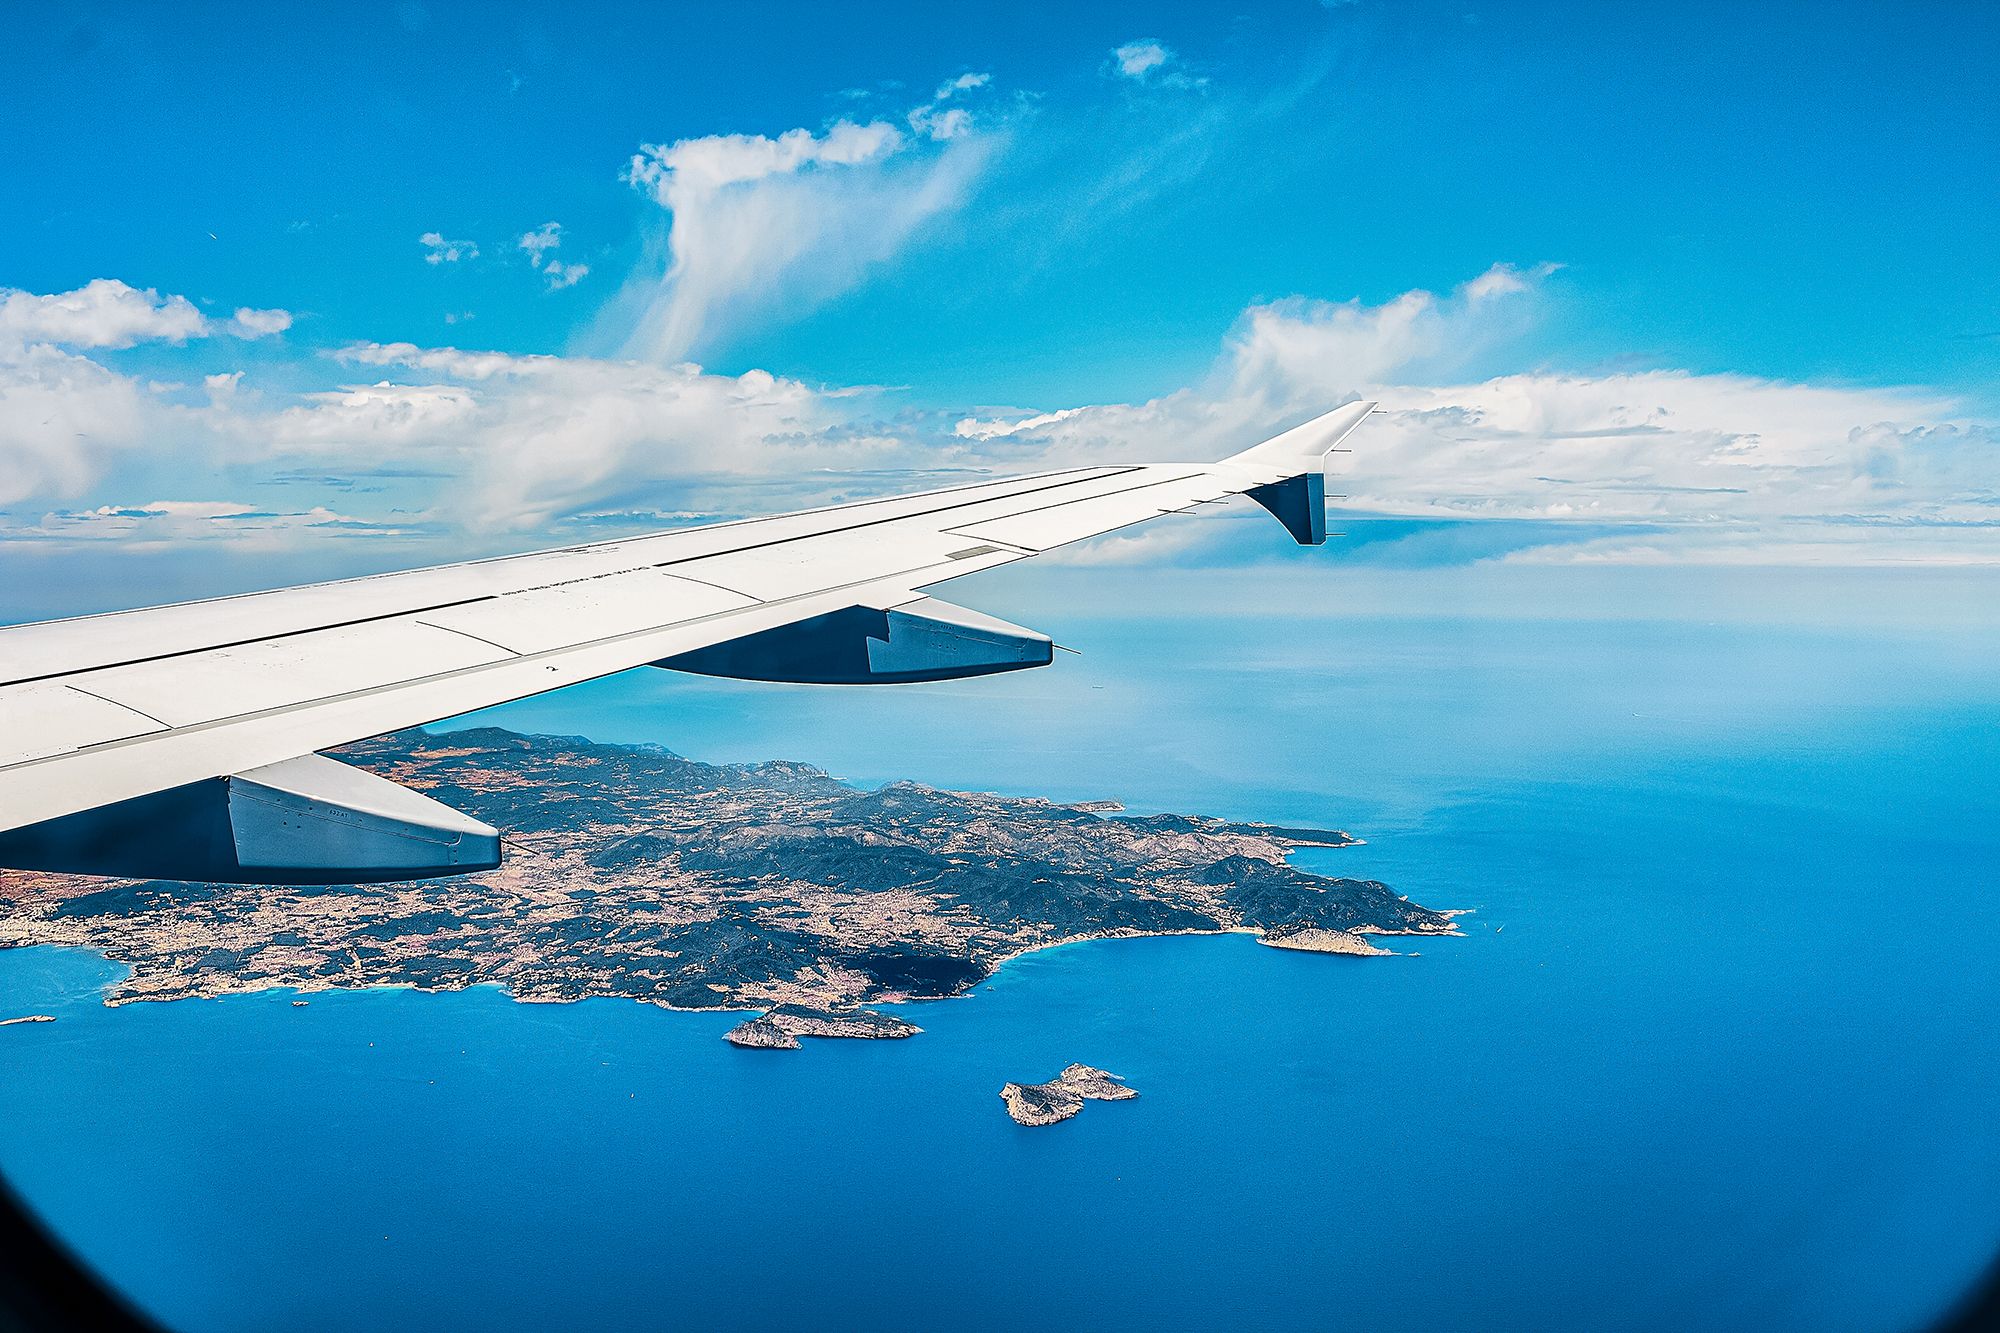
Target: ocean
(1715,1050)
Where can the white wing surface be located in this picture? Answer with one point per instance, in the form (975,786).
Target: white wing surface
(180,741)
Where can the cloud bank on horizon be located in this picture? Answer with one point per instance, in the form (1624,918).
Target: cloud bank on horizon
(107,387)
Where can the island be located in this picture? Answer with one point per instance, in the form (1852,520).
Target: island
(781,1028)
(1063,1096)
(634,872)
(1319,939)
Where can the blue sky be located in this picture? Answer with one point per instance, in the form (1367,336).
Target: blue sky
(1675,284)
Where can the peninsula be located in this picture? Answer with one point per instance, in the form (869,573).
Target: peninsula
(636,873)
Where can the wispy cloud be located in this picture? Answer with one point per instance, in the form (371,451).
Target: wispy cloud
(1147,60)
(162,523)
(964,83)
(768,227)
(439,250)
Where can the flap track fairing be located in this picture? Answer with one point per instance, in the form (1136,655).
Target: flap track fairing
(919,640)
(310,820)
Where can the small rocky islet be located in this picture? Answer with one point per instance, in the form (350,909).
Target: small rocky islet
(1035,1104)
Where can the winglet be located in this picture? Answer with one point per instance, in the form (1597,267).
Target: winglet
(1306,445)
(1298,497)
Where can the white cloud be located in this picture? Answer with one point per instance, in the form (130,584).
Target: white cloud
(372,422)
(941,123)
(538,243)
(63,417)
(690,167)
(169,524)
(1285,351)
(775,226)
(1796,544)
(1135,60)
(102,313)
(531,438)
(1151,62)
(951,88)
(438,250)
(1696,467)
(1154,544)
(972,428)
(546,237)
(248,323)
(108,314)
(1764,461)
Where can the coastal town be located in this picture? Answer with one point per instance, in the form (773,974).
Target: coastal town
(772,888)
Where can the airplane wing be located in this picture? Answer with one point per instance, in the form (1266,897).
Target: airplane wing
(180,742)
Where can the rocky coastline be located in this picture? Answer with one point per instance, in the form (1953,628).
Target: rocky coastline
(636,873)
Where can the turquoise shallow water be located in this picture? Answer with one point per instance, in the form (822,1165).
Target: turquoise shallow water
(1716,1049)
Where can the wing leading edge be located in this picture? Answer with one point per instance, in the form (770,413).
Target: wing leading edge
(181,741)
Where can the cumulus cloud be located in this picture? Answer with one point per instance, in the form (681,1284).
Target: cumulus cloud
(1135,60)
(533,438)
(438,250)
(538,243)
(1765,460)
(1284,351)
(1152,62)
(102,313)
(1710,467)
(63,417)
(108,314)
(768,227)
(541,240)
(248,323)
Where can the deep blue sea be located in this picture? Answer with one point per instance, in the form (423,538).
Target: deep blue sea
(1718,1048)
